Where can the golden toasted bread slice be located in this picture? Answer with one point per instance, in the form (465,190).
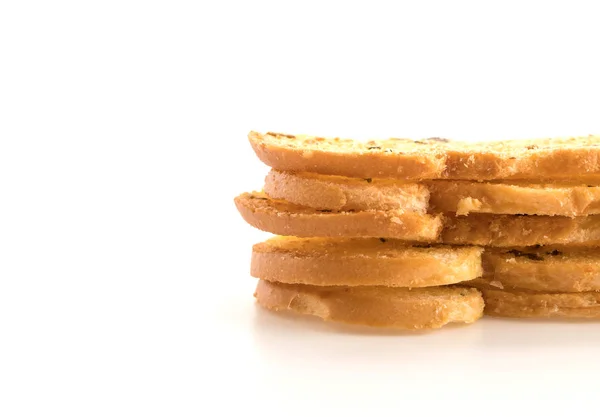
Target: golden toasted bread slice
(534,159)
(513,231)
(352,262)
(392,158)
(402,308)
(545,269)
(464,197)
(529,304)
(283,218)
(345,193)
(538,159)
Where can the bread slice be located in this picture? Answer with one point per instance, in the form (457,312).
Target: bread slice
(352,262)
(433,158)
(464,197)
(546,305)
(513,231)
(345,193)
(545,269)
(392,158)
(402,308)
(283,218)
(537,159)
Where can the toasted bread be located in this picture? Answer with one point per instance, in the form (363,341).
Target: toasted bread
(344,193)
(433,158)
(533,159)
(464,197)
(545,269)
(402,308)
(352,262)
(283,218)
(527,304)
(512,231)
(392,158)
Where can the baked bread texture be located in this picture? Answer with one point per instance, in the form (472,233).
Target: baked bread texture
(353,262)
(391,158)
(343,193)
(434,158)
(283,218)
(512,231)
(464,197)
(551,160)
(401,308)
(506,303)
(544,269)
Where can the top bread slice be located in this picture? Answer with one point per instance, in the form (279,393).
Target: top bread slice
(535,159)
(391,158)
(538,159)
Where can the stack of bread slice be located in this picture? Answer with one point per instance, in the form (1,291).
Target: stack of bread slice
(418,234)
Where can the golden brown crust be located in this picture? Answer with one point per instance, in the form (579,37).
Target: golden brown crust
(352,262)
(434,158)
(545,269)
(463,197)
(511,231)
(392,158)
(282,218)
(544,305)
(419,308)
(536,159)
(344,193)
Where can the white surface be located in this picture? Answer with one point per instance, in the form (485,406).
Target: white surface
(124,286)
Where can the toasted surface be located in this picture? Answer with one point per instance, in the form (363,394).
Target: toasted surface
(535,159)
(344,193)
(352,262)
(463,197)
(419,308)
(526,304)
(283,218)
(512,231)
(545,269)
(392,158)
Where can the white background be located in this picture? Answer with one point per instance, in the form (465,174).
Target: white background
(124,285)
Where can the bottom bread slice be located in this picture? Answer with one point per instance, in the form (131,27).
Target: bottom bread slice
(546,305)
(402,308)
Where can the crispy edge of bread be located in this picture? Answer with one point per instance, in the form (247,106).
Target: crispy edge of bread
(420,308)
(501,230)
(391,158)
(344,193)
(355,262)
(282,218)
(464,197)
